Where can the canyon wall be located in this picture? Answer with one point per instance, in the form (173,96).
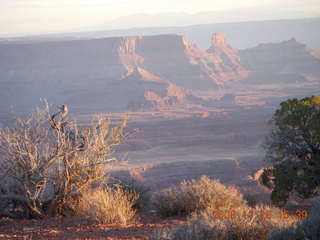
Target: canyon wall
(140,73)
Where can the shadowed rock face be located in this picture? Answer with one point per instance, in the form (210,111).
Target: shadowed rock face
(114,72)
(285,57)
(137,73)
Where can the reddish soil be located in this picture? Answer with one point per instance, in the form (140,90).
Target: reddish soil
(75,228)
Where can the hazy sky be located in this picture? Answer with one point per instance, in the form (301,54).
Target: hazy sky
(32,16)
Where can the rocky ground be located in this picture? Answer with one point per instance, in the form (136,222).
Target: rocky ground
(76,228)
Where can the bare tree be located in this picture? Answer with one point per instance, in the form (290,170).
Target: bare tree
(44,170)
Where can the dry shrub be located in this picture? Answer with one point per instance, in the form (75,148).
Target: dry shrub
(112,205)
(48,161)
(143,201)
(249,226)
(205,197)
(193,196)
(308,229)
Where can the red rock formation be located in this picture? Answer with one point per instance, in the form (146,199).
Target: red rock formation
(174,58)
(117,72)
(174,96)
(226,59)
(220,45)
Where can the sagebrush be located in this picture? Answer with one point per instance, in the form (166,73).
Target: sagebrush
(131,185)
(201,226)
(109,205)
(205,197)
(196,195)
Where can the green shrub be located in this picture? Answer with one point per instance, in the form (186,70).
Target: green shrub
(196,195)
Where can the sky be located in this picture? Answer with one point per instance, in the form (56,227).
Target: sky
(38,16)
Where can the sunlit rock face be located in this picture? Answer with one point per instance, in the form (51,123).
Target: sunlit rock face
(114,73)
(227,59)
(140,73)
(175,59)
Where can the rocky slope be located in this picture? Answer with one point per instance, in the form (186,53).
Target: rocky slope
(284,58)
(114,73)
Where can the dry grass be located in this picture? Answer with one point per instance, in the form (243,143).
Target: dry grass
(143,201)
(308,229)
(248,224)
(113,205)
(208,200)
(194,196)
(249,227)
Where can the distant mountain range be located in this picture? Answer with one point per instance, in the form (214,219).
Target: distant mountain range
(209,17)
(141,73)
(240,35)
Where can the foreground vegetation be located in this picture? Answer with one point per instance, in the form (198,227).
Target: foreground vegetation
(212,215)
(308,229)
(293,149)
(49,163)
(217,212)
(195,196)
(110,205)
(51,166)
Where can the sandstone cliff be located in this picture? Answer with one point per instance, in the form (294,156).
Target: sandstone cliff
(227,57)
(152,72)
(174,58)
(114,73)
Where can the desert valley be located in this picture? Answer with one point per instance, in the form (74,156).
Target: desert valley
(191,111)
